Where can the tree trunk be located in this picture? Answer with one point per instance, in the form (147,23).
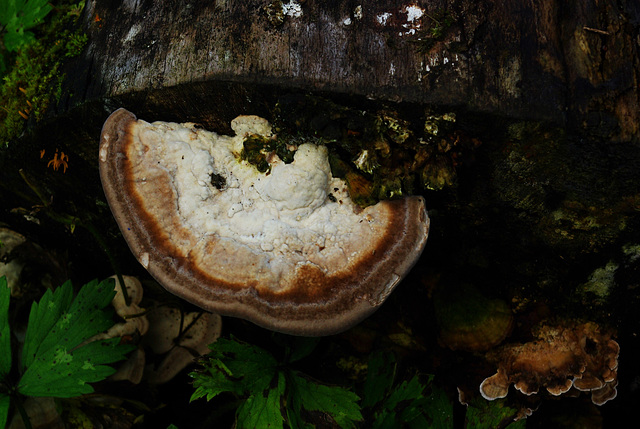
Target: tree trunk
(572,63)
(537,214)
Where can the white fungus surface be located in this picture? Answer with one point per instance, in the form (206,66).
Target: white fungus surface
(286,213)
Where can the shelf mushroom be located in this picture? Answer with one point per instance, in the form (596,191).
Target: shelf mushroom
(570,355)
(285,248)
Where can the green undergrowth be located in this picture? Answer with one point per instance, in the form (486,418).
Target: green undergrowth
(263,386)
(271,393)
(58,358)
(31,61)
(17,17)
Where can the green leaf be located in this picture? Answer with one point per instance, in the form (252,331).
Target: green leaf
(33,12)
(8,10)
(251,372)
(5,402)
(381,372)
(16,37)
(17,16)
(402,405)
(262,410)
(483,414)
(407,391)
(58,359)
(42,318)
(5,332)
(338,402)
(234,366)
(437,409)
(26,13)
(406,405)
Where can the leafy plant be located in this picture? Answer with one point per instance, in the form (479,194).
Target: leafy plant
(419,403)
(495,414)
(58,358)
(415,403)
(18,16)
(270,392)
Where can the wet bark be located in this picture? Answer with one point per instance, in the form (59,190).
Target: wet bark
(572,63)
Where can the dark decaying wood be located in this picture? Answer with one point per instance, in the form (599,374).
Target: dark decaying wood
(566,61)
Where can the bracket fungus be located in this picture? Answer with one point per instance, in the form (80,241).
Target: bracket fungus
(573,355)
(285,248)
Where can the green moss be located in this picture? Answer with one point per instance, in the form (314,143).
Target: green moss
(256,149)
(600,283)
(381,154)
(34,77)
(253,151)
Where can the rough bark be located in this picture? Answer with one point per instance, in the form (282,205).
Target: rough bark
(568,62)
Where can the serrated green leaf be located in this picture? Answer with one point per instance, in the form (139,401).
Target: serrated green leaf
(234,366)
(43,317)
(484,414)
(436,407)
(407,391)
(406,405)
(292,410)
(401,405)
(8,10)
(14,38)
(18,16)
(60,363)
(251,372)
(26,13)
(262,410)
(33,12)
(5,402)
(338,402)
(381,372)
(5,332)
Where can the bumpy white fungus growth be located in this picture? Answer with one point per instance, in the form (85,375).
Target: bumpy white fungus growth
(286,249)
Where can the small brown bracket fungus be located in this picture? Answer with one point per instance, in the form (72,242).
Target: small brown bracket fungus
(286,249)
(574,355)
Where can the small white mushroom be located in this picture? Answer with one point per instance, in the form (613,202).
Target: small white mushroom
(134,320)
(178,349)
(11,269)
